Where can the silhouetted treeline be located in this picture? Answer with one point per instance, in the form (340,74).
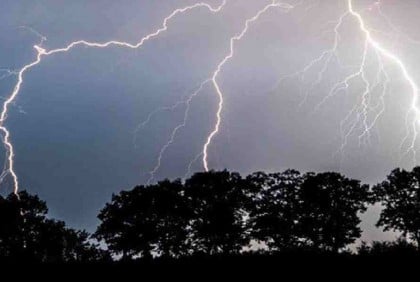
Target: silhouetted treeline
(215,214)
(27,235)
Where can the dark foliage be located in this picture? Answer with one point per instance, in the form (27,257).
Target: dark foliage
(26,234)
(215,216)
(146,220)
(221,213)
(217,204)
(329,211)
(311,211)
(274,217)
(398,248)
(400,196)
(171,219)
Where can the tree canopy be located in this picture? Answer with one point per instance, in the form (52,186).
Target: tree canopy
(220,213)
(146,220)
(330,207)
(26,234)
(400,197)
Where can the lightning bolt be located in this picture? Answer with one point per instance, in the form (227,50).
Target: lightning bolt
(41,37)
(325,59)
(170,108)
(362,117)
(213,80)
(385,53)
(175,131)
(226,59)
(358,117)
(41,53)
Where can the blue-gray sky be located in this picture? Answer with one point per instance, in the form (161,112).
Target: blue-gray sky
(73,122)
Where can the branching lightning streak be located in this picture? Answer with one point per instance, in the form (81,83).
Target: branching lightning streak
(175,131)
(414,108)
(7,73)
(190,165)
(41,37)
(170,108)
(363,108)
(41,52)
(395,30)
(362,117)
(238,37)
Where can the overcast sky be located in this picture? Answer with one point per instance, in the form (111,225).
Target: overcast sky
(73,123)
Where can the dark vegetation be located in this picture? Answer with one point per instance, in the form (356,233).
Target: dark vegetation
(217,216)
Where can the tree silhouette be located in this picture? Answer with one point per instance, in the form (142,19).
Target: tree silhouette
(329,209)
(274,213)
(26,234)
(146,221)
(400,196)
(220,213)
(217,201)
(204,215)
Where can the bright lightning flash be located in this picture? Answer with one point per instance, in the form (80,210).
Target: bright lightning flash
(389,55)
(358,118)
(213,80)
(41,53)
(216,85)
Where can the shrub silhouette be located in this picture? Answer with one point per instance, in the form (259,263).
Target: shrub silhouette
(398,248)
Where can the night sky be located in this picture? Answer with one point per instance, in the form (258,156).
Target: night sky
(74,122)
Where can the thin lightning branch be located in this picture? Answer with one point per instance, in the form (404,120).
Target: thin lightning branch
(41,37)
(394,28)
(377,83)
(144,123)
(219,92)
(190,165)
(41,52)
(325,58)
(170,108)
(175,131)
(7,73)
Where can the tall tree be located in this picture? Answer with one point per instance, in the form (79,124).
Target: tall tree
(329,211)
(146,221)
(400,196)
(274,213)
(27,234)
(217,200)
